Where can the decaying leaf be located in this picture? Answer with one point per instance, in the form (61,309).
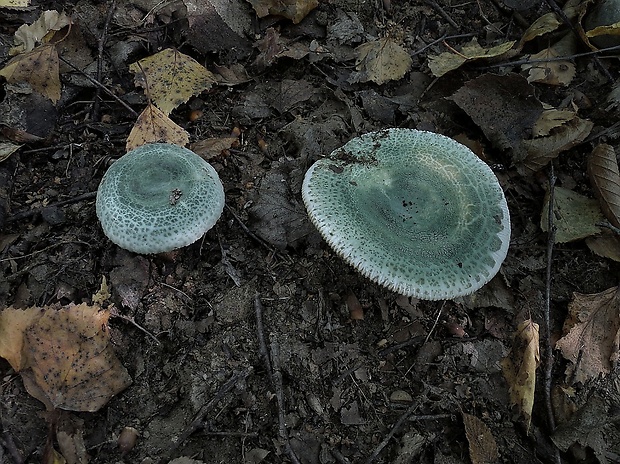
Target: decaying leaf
(592,335)
(64,355)
(550,119)
(220,26)
(17,4)
(482,445)
(154,126)
(606,245)
(504,107)
(541,150)
(574,216)
(7,149)
(449,61)
(13,323)
(39,68)
(546,69)
(519,368)
(605,179)
(295,10)
(170,78)
(28,36)
(210,148)
(380,61)
(546,23)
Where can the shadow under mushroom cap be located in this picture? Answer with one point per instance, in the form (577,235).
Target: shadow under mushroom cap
(159,197)
(415,211)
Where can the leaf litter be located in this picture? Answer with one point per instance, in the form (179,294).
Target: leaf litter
(276,108)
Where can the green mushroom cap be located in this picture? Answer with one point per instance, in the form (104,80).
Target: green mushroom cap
(159,197)
(414,211)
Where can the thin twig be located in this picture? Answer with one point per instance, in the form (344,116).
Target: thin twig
(442,13)
(199,418)
(558,11)
(252,235)
(271,359)
(548,369)
(99,84)
(94,115)
(132,321)
(406,416)
(33,212)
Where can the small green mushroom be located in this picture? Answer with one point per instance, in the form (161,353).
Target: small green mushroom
(159,197)
(414,211)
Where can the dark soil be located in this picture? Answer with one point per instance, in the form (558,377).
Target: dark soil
(393,387)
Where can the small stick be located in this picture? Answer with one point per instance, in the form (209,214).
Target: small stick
(33,212)
(442,13)
(548,368)
(103,87)
(199,418)
(271,358)
(100,46)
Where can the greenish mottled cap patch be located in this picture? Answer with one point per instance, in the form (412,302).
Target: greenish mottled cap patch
(159,197)
(415,211)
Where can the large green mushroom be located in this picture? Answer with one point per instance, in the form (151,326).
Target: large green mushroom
(414,211)
(159,197)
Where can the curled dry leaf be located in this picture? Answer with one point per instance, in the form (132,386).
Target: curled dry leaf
(519,368)
(605,180)
(541,150)
(592,334)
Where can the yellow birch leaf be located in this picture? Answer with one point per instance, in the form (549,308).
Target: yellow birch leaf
(519,368)
(71,358)
(39,68)
(13,323)
(170,78)
(154,126)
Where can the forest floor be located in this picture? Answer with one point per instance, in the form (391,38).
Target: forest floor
(258,343)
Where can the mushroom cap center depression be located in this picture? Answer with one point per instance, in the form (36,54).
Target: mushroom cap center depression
(419,217)
(159,197)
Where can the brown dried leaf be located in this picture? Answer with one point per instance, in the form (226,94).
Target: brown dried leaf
(380,61)
(605,180)
(154,126)
(171,78)
(13,323)
(72,360)
(546,23)
(449,61)
(519,368)
(63,355)
(482,445)
(541,150)
(504,107)
(547,69)
(606,245)
(592,334)
(210,148)
(295,10)
(551,118)
(39,68)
